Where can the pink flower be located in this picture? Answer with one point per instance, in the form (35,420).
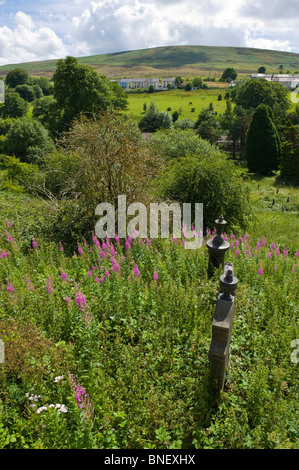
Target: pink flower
(263,242)
(96,241)
(107,273)
(260,271)
(296,254)
(96,279)
(293,269)
(127,245)
(269,254)
(237,252)
(10,287)
(80,251)
(103,254)
(117,238)
(136,271)
(49,286)
(9,223)
(174,240)
(89,273)
(67,299)
(80,301)
(102,280)
(34,244)
(64,276)
(155,276)
(284,253)
(61,247)
(10,239)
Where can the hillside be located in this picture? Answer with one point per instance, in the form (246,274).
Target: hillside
(174,60)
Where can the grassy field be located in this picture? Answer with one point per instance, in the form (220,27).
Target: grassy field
(187,61)
(177,100)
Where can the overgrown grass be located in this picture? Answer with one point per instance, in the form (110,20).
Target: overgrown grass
(139,346)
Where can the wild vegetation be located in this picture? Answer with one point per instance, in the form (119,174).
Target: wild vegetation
(106,341)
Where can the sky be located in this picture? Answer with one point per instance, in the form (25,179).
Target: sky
(47,29)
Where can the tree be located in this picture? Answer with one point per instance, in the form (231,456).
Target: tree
(197,82)
(27,140)
(14,106)
(80,89)
(178,81)
(207,124)
(262,149)
(228,75)
(43,109)
(155,119)
(254,92)
(262,69)
(26,92)
(16,77)
(289,167)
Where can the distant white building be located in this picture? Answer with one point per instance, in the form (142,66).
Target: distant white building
(168,83)
(290,81)
(133,83)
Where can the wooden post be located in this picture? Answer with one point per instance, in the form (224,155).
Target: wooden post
(222,328)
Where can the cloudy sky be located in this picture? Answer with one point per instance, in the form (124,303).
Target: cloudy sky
(47,29)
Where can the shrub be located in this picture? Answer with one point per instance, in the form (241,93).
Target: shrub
(210,179)
(14,106)
(28,140)
(155,119)
(175,143)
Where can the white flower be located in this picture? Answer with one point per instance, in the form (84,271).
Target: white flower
(58,378)
(63,409)
(41,409)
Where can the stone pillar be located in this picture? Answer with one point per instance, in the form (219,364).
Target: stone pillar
(217,247)
(222,328)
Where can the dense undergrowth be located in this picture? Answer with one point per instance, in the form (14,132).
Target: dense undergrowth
(108,347)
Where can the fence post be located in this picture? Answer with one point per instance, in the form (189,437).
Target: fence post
(222,327)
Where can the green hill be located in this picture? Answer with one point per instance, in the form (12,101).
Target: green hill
(175,60)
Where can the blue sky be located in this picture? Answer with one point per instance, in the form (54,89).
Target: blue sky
(48,29)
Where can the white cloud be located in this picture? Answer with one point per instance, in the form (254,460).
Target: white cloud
(86,27)
(273,44)
(26,42)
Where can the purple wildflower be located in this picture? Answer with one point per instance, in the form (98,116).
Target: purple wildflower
(10,287)
(136,271)
(155,276)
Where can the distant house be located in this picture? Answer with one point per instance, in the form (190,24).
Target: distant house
(133,83)
(290,81)
(168,83)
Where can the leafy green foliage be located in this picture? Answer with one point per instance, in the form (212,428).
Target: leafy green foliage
(14,106)
(80,89)
(28,140)
(15,77)
(211,179)
(26,92)
(289,167)
(228,75)
(155,119)
(262,143)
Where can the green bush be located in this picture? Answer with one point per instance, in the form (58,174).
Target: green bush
(28,140)
(212,180)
